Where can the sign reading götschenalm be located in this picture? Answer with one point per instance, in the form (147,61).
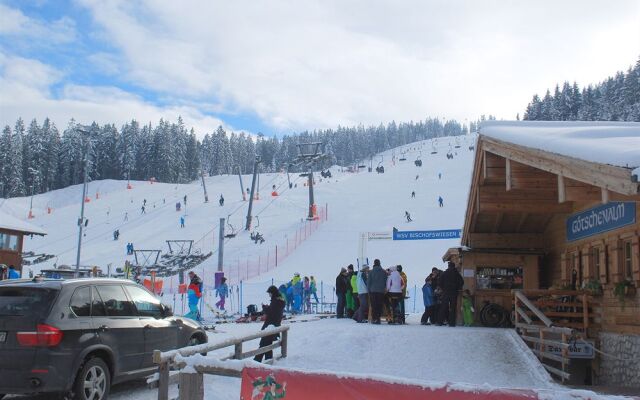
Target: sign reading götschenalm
(600,219)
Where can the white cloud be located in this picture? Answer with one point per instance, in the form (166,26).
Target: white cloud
(25,86)
(15,24)
(316,64)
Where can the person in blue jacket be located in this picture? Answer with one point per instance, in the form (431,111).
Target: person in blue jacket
(440,201)
(223,292)
(13,274)
(298,288)
(429,302)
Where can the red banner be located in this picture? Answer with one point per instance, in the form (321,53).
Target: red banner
(272,384)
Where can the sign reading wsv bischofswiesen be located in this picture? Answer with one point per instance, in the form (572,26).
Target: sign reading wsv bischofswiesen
(600,219)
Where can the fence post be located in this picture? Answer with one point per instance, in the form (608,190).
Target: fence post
(415,294)
(191,386)
(237,351)
(276,256)
(271,281)
(163,375)
(283,344)
(258,265)
(322,295)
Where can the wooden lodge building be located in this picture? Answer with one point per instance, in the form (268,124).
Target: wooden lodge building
(12,232)
(552,232)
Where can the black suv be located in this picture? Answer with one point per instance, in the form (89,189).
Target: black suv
(81,336)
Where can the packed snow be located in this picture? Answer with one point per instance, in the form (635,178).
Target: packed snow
(613,143)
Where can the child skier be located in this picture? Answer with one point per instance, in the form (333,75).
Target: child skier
(182,221)
(413,194)
(408,216)
(467,308)
(440,201)
(221,201)
(223,292)
(429,302)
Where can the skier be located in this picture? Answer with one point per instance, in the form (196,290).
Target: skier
(349,293)
(439,175)
(194,293)
(417,176)
(126,216)
(467,308)
(143,210)
(185,199)
(12,273)
(221,201)
(362,313)
(182,221)
(451,282)
(395,286)
(341,291)
(413,194)
(306,294)
(404,292)
(273,313)
(115,235)
(298,288)
(223,292)
(440,201)
(408,216)
(144,202)
(314,289)
(376,285)
(427,298)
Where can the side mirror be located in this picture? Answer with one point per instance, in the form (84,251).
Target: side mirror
(166,311)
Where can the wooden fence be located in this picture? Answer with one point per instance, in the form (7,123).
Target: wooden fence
(191,383)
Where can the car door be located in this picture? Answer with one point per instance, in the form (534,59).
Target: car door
(119,326)
(159,333)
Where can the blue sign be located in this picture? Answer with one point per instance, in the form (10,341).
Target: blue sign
(600,219)
(426,235)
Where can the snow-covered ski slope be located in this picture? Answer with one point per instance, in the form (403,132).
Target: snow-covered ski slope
(357,202)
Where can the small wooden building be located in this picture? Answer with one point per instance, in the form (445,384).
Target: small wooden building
(555,206)
(12,232)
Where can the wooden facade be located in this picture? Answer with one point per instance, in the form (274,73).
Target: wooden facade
(11,242)
(519,203)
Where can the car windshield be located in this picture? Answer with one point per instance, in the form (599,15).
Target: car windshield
(20,301)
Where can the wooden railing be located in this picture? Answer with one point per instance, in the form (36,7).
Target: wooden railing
(539,333)
(191,383)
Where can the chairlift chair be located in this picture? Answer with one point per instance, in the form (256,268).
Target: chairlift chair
(233,232)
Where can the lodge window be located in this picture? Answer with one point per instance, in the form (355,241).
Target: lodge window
(627,264)
(8,242)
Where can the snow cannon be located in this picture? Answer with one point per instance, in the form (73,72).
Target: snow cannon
(97,195)
(129,187)
(31,216)
(274,194)
(49,210)
(87,199)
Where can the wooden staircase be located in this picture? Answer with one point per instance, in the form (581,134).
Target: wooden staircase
(549,320)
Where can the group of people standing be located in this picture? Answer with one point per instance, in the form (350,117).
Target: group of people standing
(297,293)
(376,289)
(440,296)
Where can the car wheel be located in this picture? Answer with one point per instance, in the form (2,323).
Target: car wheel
(93,381)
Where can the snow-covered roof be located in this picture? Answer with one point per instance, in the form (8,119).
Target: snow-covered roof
(613,143)
(12,223)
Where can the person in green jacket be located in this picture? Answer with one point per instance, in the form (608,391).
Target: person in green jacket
(349,295)
(467,308)
(354,291)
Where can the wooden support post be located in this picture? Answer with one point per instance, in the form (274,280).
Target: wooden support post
(565,356)
(585,313)
(191,386)
(605,196)
(283,344)
(484,164)
(237,352)
(562,193)
(163,381)
(508,174)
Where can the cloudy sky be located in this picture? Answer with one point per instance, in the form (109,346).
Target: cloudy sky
(282,66)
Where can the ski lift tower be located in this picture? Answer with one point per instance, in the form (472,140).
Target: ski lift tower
(309,153)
